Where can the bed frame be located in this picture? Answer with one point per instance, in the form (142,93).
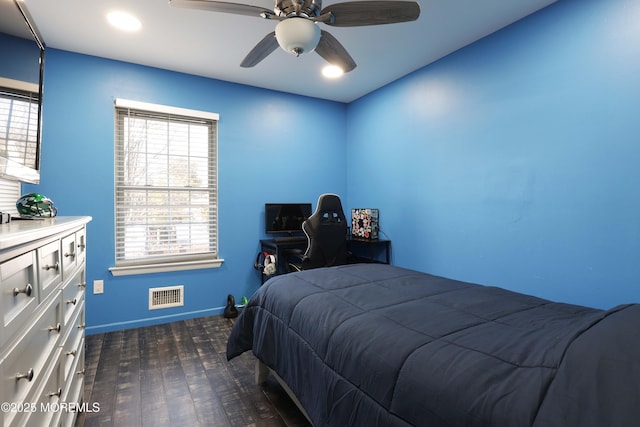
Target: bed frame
(262,372)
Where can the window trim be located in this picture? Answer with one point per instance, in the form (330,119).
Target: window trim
(169,263)
(165,267)
(165,109)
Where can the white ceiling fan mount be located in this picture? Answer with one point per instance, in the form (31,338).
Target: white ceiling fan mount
(297,35)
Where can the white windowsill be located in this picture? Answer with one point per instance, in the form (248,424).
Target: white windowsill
(165,267)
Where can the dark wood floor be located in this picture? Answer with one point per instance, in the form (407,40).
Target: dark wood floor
(177,374)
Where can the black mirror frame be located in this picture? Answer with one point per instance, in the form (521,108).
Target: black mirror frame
(12,170)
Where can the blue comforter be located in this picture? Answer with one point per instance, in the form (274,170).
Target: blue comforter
(377,345)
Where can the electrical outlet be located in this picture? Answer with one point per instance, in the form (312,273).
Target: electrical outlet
(98,286)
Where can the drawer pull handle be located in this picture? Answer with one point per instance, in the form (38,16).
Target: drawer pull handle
(28,290)
(81,245)
(81,326)
(28,376)
(57,393)
(82,284)
(71,353)
(54,328)
(70,255)
(55,266)
(80,372)
(72,301)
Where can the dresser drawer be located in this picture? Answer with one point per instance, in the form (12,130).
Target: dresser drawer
(48,397)
(81,245)
(73,295)
(19,293)
(74,391)
(49,268)
(69,256)
(26,360)
(73,337)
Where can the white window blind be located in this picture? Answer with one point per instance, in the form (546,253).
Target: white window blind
(19,126)
(9,195)
(165,187)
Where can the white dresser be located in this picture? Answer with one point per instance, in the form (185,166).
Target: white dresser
(42,283)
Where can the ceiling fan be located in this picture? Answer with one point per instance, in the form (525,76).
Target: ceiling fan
(297,31)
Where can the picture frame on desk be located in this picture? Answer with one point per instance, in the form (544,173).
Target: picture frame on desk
(364,223)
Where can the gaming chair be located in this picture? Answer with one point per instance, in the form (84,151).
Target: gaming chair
(326,231)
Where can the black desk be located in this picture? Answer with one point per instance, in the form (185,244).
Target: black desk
(279,248)
(367,250)
(362,250)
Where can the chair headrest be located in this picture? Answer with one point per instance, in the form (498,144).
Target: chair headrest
(329,203)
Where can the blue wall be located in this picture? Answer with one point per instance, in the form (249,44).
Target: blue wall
(24,63)
(512,162)
(262,135)
(515,161)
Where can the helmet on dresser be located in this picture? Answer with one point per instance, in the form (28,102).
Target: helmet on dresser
(36,205)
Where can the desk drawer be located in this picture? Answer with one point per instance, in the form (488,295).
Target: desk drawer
(49,268)
(19,292)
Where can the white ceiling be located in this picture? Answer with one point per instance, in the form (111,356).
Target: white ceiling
(213,44)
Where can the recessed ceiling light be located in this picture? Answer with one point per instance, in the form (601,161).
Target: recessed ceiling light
(332,71)
(124,21)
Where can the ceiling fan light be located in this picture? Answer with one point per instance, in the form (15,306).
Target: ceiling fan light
(332,71)
(297,35)
(124,21)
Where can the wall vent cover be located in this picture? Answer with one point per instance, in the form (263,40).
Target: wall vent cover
(169,296)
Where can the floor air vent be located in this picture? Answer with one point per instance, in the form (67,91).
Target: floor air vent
(170,296)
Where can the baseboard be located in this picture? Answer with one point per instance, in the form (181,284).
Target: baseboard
(149,321)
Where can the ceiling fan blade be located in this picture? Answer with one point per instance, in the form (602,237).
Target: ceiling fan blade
(264,47)
(334,53)
(224,7)
(360,13)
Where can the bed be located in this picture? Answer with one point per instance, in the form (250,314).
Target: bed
(379,345)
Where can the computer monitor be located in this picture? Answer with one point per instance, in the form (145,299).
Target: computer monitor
(285,218)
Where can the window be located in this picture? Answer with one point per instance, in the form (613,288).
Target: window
(166,201)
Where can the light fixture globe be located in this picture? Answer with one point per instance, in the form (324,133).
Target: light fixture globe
(297,35)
